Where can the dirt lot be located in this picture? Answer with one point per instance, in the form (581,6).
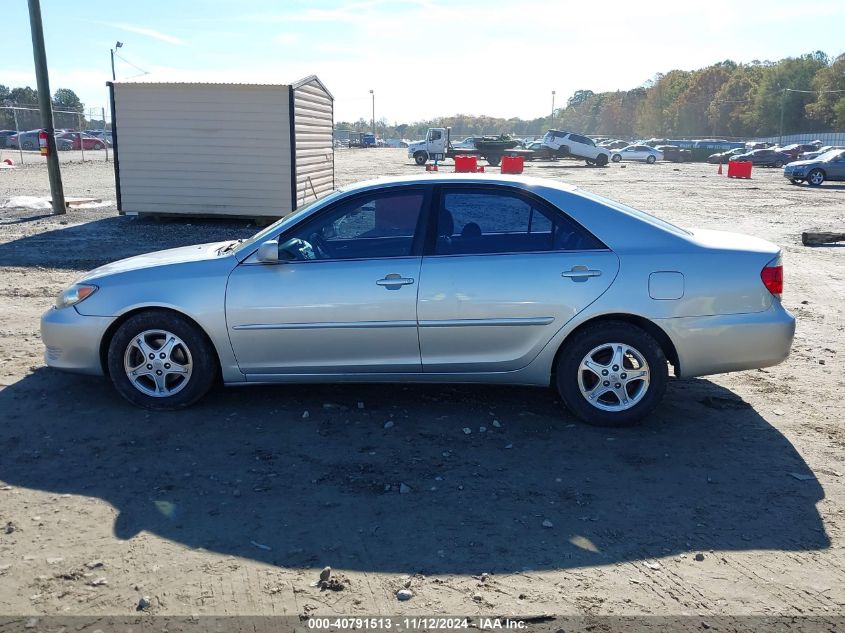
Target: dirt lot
(234,506)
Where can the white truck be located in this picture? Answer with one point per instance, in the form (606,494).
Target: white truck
(437,146)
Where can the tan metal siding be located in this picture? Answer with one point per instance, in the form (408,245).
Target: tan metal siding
(313,123)
(204,149)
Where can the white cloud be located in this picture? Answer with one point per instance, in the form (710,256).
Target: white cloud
(140,30)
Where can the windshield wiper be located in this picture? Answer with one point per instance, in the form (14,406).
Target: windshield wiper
(230,246)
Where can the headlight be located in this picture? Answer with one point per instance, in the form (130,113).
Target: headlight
(75,294)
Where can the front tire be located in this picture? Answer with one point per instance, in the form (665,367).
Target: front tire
(611,374)
(650,160)
(815,178)
(616,158)
(160,360)
(601,160)
(494,161)
(421,158)
(778,164)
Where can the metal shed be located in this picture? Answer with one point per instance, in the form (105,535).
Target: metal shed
(221,149)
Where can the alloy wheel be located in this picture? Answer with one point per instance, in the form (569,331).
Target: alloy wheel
(613,377)
(158,363)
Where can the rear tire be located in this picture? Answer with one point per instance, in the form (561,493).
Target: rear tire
(616,158)
(494,161)
(639,394)
(421,158)
(185,371)
(778,164)
(815,178)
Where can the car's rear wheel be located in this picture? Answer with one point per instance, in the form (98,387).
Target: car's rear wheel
(494,160)
(160,360)
(650,159)
(815,178)
(616,158)
(420,158)
(612,374)
(778,164)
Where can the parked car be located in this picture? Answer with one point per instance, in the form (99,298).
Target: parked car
(794,150)
(828,166)
(524,280)
(467,143)
(4,136)
(724,157)
(674,153)
(77,140)
(24,140)
(762,158)
(614,144)
(819,152)
(637,152)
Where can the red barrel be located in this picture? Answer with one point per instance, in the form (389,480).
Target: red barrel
(513,164)
(465,164)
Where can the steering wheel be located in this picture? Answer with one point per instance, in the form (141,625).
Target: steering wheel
(319,245)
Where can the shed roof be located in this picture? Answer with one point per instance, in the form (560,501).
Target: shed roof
(187,80)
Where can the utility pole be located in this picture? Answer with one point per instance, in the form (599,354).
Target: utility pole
(782,103)
(46,107)
(374,111)
(111,51)
(553,104)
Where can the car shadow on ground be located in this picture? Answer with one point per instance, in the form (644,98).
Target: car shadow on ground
(115,237)
(246,473)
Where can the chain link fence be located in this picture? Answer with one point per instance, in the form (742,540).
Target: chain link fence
(80,135)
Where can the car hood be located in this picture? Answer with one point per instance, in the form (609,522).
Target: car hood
(804,163)
(181,255)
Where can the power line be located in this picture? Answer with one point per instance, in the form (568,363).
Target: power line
(143,72)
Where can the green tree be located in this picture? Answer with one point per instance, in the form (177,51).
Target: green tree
(66,99)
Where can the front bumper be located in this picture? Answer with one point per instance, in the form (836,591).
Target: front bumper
(731,342)
(72,341)
(794,173)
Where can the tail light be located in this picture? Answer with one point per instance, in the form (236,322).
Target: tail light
(772,276)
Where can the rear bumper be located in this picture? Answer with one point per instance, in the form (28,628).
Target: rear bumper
(72,341)
(731,342)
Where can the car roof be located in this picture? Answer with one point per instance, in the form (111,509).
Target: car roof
(476,179)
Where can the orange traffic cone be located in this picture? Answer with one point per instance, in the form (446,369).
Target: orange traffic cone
(720,169)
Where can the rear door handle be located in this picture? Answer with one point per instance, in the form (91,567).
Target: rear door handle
(579,272)
(395,279)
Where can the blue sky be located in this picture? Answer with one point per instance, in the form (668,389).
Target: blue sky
(423,58)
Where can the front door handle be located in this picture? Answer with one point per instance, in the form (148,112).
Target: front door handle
(394,279)
(580,272)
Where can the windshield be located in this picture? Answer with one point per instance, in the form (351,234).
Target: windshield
(831,155)
(291,217)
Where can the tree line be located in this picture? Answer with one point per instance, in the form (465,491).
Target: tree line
(68,107)
(726,99)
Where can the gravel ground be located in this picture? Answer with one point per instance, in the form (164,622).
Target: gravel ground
(728,500)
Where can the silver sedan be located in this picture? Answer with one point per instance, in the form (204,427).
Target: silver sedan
(448,278)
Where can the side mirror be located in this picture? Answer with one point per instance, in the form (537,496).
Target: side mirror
(268,252)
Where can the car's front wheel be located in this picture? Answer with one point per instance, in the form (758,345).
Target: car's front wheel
(601,160)
(616,158)
(612,374)
(420,158)
(160,360)
(778,164)
(815,177)
(650,159)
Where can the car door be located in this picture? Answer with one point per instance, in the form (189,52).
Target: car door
(836,167)
(503,271)
(344,301)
